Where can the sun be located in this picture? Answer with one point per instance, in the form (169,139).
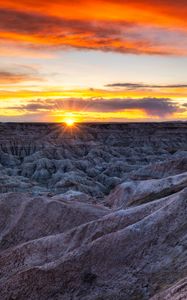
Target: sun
(70,122)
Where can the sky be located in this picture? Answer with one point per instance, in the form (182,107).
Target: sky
(93,61)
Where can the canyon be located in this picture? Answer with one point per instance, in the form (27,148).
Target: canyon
(93,211)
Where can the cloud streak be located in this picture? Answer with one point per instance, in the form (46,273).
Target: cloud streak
(159,107)
(19,74)
(134,86)
(13,78)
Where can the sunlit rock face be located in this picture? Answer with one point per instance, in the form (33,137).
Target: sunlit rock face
(93,211)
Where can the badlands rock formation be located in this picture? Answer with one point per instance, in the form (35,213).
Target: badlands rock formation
(93,212)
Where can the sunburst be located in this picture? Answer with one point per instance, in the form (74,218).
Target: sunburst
(70,122)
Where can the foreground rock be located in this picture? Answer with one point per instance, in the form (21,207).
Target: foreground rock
(177,291)
(133,193)
(24,218)
(127,254)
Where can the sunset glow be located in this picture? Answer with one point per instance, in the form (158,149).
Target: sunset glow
(101,60)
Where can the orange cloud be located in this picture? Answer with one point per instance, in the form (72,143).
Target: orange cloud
(138,11)
(140,27)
